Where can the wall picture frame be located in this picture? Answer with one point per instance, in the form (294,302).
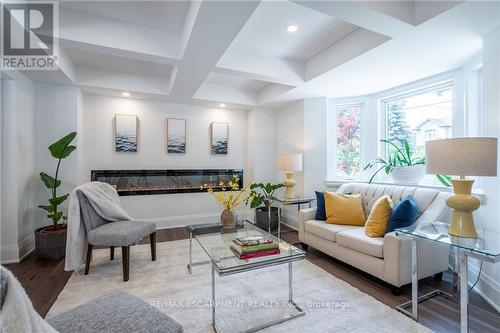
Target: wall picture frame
(125,133)
(176,135)
(219,138)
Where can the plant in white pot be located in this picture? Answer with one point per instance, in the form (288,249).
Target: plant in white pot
(50,241)
(403,166)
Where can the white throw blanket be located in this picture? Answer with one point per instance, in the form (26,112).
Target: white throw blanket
(17,313)
(105,201)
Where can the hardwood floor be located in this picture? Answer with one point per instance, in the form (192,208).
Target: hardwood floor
(44,280)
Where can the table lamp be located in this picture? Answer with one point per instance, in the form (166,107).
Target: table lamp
(462,157)
(289,163)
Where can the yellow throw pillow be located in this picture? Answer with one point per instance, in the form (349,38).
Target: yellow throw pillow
(376,224)
(344,209)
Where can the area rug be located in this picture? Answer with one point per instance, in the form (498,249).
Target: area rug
(243,300)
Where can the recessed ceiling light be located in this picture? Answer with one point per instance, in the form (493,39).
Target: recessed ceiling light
(292,28)
(125,94)
(222,105)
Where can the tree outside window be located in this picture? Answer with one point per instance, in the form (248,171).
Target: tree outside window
(348,140)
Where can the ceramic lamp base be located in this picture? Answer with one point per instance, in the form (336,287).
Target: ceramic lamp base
(463,204)
(289,183)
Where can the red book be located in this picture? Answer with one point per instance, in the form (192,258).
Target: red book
(259,254)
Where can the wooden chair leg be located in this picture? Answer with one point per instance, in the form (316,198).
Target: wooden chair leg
(89,257)
(112,253)
(152,243)
(125,261)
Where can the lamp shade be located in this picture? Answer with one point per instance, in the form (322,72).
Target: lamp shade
(289,162)
(462,157)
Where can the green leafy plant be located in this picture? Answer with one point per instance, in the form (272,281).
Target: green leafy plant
(400,155)
(262,194)
(60,149)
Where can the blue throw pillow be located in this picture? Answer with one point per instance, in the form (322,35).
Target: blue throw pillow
(403,214)
(320,206)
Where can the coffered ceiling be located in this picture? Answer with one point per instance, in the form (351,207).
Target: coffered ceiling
(240,53)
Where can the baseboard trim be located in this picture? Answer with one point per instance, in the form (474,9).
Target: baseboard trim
(26,247)
(9,254)
(14,254)
(486,287)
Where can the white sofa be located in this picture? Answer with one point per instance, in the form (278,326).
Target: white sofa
(387,258)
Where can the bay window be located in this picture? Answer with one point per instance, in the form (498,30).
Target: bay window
(428,109)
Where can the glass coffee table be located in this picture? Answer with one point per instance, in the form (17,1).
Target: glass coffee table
(225,262)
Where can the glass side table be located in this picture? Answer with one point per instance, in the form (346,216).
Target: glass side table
(486,248)
(282,202)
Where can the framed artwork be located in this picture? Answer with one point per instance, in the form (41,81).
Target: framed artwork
(176,135)
(125,133)
(219,137)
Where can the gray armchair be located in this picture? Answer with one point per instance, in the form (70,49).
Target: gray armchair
(104,233)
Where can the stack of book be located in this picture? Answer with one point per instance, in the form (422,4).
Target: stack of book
(253,247)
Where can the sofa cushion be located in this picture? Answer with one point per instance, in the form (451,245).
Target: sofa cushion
(320,206)
(403,214)
(344,209)
(355,239)
(376,224)
(325,230)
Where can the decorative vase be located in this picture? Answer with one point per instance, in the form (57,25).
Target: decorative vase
(228,219)
(408,175)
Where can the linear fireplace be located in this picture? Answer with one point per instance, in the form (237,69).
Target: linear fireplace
(146,182)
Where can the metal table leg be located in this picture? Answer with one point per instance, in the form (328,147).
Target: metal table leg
(290,283)
(414,279)
(213,299)
(190,251)
(279,221)
(269,219)
(415,299)
(464,293)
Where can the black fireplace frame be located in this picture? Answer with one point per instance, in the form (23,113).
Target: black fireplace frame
(96,174)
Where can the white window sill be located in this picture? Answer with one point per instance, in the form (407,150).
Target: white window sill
(338,182)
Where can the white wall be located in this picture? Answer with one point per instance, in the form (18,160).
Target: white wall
(291,141)
(167,209)
(262,145)
(488,215)
(56,116)
(18,173)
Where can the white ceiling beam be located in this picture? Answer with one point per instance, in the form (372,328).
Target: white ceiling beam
(99,78)
(96,30)
(348,48)
(194,8)
(360,15)
(217,24)
(217,93)
(271,92)
(258,67)
(116,52)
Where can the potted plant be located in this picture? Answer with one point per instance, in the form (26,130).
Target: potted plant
(50,241)
(230,196)
(403,166)
(261,198)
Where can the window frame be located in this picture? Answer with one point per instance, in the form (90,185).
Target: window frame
(373,112)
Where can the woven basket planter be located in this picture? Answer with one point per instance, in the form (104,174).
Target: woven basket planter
(50,243)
